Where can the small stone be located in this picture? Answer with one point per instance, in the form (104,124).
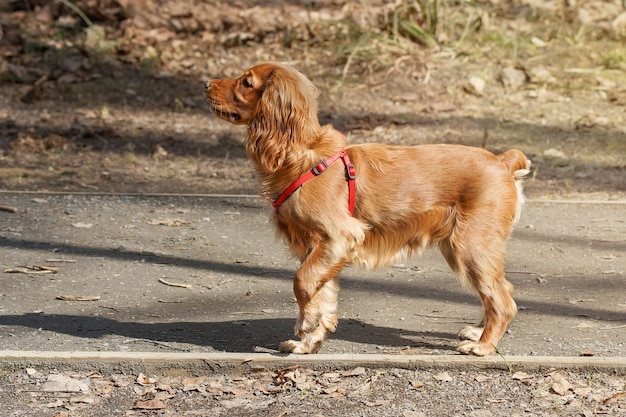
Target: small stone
(554,153)
(540,75)
(475,85)
(619,24)
(512,78)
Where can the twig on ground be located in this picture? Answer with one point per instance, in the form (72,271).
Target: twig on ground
(8,208)
(174,284)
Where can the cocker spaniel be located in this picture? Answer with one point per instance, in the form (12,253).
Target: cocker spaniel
(380,204)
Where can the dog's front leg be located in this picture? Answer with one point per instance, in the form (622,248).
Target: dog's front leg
(316,286)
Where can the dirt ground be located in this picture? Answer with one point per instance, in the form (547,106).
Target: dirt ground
(108,97)
(118,106)
(299,392)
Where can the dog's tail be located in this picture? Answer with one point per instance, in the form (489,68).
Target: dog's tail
(519,166)
(516,162)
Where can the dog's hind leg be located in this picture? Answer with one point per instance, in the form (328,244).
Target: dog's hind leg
(499,310)
(316,286)
(478,260)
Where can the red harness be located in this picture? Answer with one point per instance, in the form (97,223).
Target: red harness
(318,170)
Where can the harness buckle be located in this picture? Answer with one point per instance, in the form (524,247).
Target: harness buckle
(350,172)
(319,168)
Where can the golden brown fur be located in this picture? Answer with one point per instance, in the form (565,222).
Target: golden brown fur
(464,200)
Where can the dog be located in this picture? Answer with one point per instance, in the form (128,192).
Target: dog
(382,204)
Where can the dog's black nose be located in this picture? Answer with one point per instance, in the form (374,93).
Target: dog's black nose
(207,85)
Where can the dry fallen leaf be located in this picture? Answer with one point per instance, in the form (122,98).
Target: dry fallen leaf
(149,405)
(417,384)
(55,404)
(561,385)
(193,384)
(443,377)
(354,372)
(521,376)
(140,389)
(161,386)
(144,380)
(163,395)
(334,391)
(619,396)
(82,399)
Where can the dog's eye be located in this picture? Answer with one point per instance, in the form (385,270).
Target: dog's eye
(247,83)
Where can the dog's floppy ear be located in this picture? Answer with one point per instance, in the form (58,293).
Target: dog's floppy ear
(286,115)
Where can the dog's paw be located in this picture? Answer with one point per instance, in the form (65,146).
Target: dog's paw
(472,333)
(469,347)
(294,346)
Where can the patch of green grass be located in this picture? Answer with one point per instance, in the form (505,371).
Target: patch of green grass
(615,58)
(506,362)
(95,43)
(471,29)
(416,21)
(399,32)
(78,11)
(130,156)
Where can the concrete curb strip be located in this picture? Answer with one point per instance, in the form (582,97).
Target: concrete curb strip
(237,362)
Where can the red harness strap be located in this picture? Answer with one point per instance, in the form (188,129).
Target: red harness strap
(318,170)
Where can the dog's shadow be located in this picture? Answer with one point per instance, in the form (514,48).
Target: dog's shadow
(245,335)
